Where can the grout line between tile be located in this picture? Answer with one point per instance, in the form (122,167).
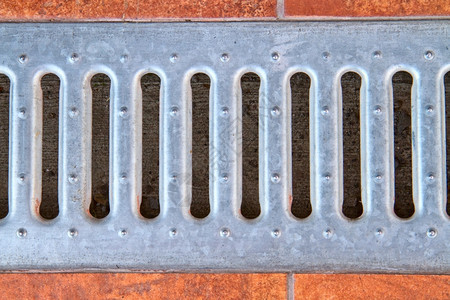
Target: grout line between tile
(290,286)
(280,9)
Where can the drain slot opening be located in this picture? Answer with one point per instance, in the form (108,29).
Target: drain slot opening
(447,132)
(101,86)
(50,86)
(200,87)
(300,84)
(151,89)
(5,86)
(250,85)
(402,83)
(352,206)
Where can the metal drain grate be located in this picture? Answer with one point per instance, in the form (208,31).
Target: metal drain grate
(224,240)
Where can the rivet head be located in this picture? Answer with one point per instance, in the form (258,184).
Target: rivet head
(225,111)
(173,232)
(22,232)
(72,232)
(275,178)
(428,55)
(174,111)
(123,232)
(123,178)
(173,178)
(224,57)
(225,232)
(123,58)
(22,178)
(377,54)
(174,57)
(432,233)
(378,177)
(123,111)
(22,113)
(276,233)
(429,109)
(73,178)
(275,111)
(377,110)
(325,111)
(224,177)
(73,112)
(379,232)
(328,233)
(23,58)
(430,177)
(74,57)
(327,177)
(326,56)
(275,56)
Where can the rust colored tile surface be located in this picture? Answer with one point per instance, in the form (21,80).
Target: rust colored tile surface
(143,286)
(366,8)
(44,10)
(339,286)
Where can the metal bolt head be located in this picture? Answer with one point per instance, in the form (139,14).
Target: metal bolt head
(73,178)
(328,233)
(377,54)
(174,57)
(225,111)
(275,178)
(173,232)
(23,58)
(74,57)
(123,58)
(377,110)
(123,232)
(224,177)
(428,55)
(224,57)
(326,56)
(22,113)
(429,109)
(325,111)
(174,111)
(379,232)
(73,112)
(275,111)
(276,233)
(225,232)
(22,232)
(432,233)
(275,56)
(123,111)
(72,232)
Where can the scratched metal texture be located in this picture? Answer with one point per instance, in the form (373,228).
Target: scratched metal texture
(326,241)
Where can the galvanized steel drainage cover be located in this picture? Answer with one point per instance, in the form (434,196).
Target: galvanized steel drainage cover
(275,241)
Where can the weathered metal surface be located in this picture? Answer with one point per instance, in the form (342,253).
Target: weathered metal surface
(275,241)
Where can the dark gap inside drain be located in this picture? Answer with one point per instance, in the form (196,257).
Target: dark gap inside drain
(200,85)
(101,87)
(351,89)
(447,124)
(301,200)
(5,85)
(151,87)
(50,85)
(401,86)
(250,85)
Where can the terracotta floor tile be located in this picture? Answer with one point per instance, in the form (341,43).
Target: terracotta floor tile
(339,286)
(366,8)
(143,286)
(39,10)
